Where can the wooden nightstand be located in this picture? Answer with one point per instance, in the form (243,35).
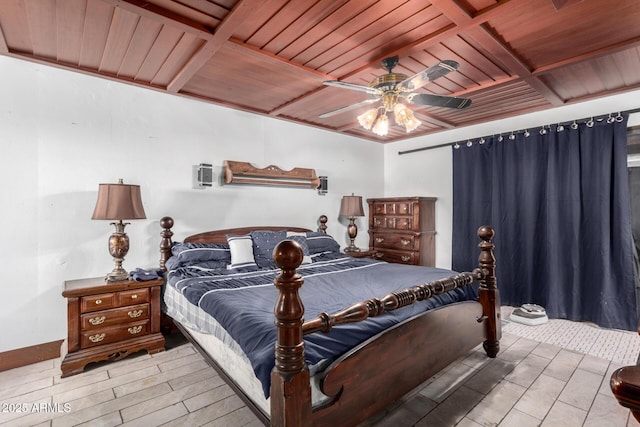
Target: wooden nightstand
(361,254)
(109,321)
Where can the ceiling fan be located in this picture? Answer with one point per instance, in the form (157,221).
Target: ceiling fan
(393,91)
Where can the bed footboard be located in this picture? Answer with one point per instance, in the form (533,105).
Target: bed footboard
(383,359)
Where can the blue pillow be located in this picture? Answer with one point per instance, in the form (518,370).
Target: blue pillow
(301,239)
(193,253)
(264,242)
(319,242)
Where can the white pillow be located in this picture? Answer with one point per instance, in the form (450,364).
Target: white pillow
(241,248)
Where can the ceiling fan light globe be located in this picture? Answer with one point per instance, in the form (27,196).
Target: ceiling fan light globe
(401,114)
(382,125)
(367,118)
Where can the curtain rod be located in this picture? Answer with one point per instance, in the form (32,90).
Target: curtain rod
(449,144)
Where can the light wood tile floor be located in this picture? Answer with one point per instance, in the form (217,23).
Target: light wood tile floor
(530,383)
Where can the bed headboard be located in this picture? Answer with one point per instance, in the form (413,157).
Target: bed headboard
(220,236)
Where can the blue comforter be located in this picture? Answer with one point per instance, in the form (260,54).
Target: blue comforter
(243,303)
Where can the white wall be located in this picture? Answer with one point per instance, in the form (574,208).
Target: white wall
(429,173)
(63,133)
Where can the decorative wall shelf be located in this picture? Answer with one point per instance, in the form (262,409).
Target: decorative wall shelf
(246,173)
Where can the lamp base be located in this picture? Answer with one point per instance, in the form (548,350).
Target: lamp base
(117,275)
(118,249)
(352,248)
(352,230)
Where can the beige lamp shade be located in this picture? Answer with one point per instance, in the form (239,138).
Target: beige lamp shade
(119,201)
(351,206)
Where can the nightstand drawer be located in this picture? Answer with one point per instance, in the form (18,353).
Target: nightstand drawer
(116,316)
(400,257)
(109,335)
(136,296)
(396,241)
(97,302)
(393,208)
(393,222)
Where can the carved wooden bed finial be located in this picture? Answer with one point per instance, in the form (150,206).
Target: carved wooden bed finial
(488,293)
(323,224)
(165,244)
(290,389)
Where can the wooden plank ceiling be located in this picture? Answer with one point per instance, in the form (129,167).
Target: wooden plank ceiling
(271,57)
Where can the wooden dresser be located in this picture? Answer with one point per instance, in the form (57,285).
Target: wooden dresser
(402,229)
(109,321)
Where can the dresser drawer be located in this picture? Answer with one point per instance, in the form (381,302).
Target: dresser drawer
(135,296)
(399,257)
(401,241)
(108,335)
(393,222)
(116,316)
(97,302)
(393,208)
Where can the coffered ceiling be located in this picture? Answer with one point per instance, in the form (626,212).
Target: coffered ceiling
(271,57)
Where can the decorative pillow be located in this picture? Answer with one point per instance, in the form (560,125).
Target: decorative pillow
(301,239)
(319,242)
(241,248)
(264,242)
(192,253)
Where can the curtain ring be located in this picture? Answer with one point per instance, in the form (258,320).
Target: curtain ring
(526,133)
(619,118)
(574,125)
(590,122)
(512,136)
(500,138)
(543,131)
(456,145)
(560,127)
(610,119)
(469,143)
(481,140)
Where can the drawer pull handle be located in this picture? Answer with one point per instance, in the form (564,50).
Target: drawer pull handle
(135,313)
(405,242)
(379,254)
(379,239)
(134,296)
(405,258)
(135,330)
(97,338)
(98,301)
(97,320)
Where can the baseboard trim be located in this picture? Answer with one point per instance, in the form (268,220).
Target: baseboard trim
(28,355)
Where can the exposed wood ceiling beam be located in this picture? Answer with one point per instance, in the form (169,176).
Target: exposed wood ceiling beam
(222,33)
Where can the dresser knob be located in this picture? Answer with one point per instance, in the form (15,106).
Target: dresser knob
(134,296)
(97,338)
(405,258)
(135,313)
(379,254)
(98,301)
(405,242)
(135,330)
(379,239)
(97,320)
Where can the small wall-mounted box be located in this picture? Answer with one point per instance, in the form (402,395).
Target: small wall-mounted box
(205,175)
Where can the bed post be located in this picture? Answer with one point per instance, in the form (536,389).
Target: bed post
(165,244)
(488,294)
(290,387)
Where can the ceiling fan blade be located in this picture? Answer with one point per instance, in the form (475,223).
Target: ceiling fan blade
(430,74)
(440,100)
(348,107)
(345,85)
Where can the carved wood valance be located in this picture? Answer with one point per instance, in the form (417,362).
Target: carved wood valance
(246,173)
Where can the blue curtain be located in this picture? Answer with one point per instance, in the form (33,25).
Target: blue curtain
(559,202)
